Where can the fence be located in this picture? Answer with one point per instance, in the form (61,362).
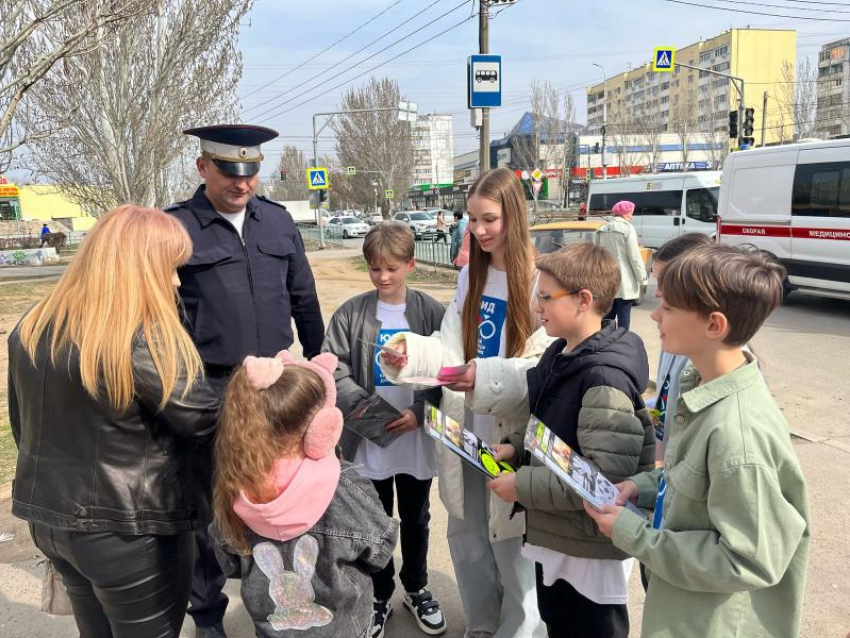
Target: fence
(437,253)
(310,237)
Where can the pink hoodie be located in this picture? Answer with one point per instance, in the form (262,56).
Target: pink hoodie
(305,489)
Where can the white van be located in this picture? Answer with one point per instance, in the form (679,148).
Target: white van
(793,202)
(666,204)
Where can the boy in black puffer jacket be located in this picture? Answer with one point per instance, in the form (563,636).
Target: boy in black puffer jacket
(587,389)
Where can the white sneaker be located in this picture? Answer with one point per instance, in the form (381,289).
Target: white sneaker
(426,611)
(381,611)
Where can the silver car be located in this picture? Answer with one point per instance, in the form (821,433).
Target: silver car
(420,222)
(346,227)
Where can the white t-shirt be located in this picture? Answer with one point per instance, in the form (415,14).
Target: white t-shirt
(413,452)
(237,220)
(605,582)
(491,333)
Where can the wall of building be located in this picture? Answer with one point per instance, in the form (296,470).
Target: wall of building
(45,202)
(433,150)
(833,94)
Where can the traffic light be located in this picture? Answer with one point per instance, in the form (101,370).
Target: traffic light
(749,121)
(733,125)
(323,196)
(283,176)
(596,147)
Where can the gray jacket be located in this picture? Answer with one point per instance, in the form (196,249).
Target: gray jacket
(352,331)
(317,585)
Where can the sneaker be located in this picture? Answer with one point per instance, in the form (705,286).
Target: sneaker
(426,611)
(381,610)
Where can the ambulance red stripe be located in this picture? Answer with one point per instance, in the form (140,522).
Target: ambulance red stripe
(750,230)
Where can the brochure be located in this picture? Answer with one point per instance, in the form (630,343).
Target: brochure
(464,443)
(446,376)
(570,467)
(369,419)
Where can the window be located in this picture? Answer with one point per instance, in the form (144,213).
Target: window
(665,86)
(719,101)
(722,67)
(701,204)
(837,68)
(665,100)
(656,203)
(722,51)
(822,190)
(705,57)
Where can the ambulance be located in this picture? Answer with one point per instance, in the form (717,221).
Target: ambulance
(793,202)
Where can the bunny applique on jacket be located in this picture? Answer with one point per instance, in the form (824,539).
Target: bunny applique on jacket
(315,544)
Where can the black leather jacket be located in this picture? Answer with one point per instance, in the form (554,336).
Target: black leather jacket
(84,467)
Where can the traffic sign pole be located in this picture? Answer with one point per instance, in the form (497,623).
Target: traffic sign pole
(484,48)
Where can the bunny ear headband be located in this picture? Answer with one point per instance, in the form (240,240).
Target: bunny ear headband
(324,430)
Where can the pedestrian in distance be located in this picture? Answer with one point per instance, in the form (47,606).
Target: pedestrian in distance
(45,235)
(441,228)
(458,233)
(588,390)
(408,465)
(246,281)
(490,324)
(620,238)
(731,549)
(301,529)
(111,415)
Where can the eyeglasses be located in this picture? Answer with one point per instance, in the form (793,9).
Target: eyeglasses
(542,299)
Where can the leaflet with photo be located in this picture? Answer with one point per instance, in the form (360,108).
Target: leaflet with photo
(464,443)
(370,418)
(570,467)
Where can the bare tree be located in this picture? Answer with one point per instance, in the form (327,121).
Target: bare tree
(712,128)
(622,128)
(538,139)
(797,101)
(293,168)
(172,69)
(376,142)
(34,36)
(649,127)
(684,123)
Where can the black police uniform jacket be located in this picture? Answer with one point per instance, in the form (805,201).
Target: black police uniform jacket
(240,295)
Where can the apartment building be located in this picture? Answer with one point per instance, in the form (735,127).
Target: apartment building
(697,103)
(433,150)
(833,112)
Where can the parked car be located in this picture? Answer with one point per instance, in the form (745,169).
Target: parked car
(374,218)
(548,238)
(346,227)
(421,223)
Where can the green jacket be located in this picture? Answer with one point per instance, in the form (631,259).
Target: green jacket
(730,559)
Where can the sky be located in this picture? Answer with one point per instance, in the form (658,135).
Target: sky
(555,40)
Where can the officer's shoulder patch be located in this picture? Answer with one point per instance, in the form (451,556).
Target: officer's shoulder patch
(271,201)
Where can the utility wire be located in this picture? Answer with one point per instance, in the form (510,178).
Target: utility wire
(783,6)
(325,50)
(757,13)
(320,73)
(377,66)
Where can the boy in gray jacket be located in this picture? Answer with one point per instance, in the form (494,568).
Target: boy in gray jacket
(409,462)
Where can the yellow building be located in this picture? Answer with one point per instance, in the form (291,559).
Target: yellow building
(44,202)
(698,102)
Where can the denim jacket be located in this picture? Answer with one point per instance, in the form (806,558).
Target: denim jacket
(317,585)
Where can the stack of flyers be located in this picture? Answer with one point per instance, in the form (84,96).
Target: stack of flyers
(464,443)
(570,467)
(446,376)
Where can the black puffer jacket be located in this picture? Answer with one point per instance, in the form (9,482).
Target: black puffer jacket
(84,467)
(591,399)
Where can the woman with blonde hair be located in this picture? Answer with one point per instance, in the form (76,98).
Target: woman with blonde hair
(491,325)
(108,409)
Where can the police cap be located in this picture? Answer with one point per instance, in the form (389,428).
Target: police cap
(235,148)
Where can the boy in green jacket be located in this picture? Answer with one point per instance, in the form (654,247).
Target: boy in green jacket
(730,556)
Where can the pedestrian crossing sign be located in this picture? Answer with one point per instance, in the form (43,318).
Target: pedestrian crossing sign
(317,179)
(664,60)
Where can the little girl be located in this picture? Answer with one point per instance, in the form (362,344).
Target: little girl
(300,528)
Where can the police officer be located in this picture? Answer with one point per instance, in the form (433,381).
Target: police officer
(248,277)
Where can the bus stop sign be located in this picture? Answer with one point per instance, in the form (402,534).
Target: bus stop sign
(484,81)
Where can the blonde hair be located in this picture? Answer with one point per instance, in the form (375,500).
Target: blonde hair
(584,266)
(503,187)
(388,240)
(256,428)
(120,284)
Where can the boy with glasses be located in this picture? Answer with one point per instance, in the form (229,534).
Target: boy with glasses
(587,389)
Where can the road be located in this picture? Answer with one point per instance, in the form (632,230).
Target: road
(804,348)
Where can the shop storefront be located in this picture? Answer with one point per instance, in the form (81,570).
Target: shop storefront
(10,201)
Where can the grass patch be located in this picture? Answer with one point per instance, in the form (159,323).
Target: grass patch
(424,273)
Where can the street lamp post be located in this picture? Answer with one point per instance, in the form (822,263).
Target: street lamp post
(604,115)
(406,111)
